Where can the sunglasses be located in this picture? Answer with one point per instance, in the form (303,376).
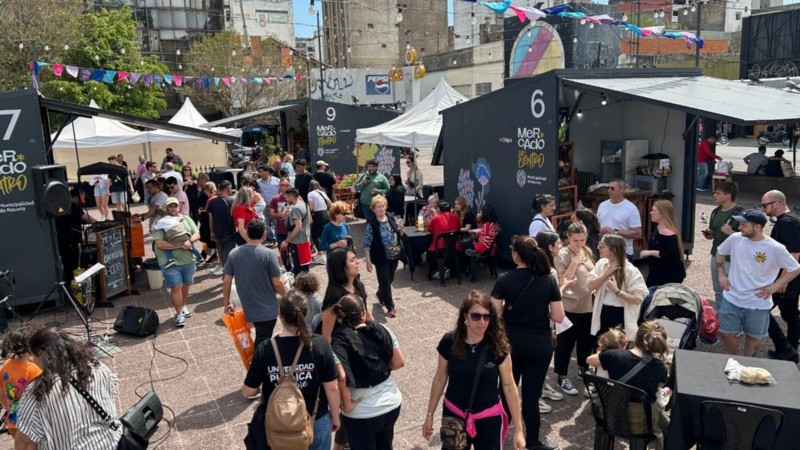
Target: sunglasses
(764,205)
(475,317)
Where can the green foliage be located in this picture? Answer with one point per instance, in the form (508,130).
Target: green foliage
(108,41)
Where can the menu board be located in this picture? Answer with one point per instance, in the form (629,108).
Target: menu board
(567,199)
(112,252)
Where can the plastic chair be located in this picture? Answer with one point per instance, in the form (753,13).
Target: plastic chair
(488,258)
(447,256)
(624,412)
(735,426)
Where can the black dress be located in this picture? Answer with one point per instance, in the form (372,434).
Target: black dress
(669,267)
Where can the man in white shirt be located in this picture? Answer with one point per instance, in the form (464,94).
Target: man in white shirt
(756,261)
(618,215)
(756,160)
(170,172)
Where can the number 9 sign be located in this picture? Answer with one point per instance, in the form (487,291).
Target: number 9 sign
(537,104)
(331,113)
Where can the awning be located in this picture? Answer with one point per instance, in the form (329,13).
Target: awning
(88,111)
(738,102)
(251,114)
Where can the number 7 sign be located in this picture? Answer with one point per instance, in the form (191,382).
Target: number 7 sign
(14,113)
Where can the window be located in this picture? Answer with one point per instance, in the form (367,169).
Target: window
(738,16)
(464,89)
(483,88)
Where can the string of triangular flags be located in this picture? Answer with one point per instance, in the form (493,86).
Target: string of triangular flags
(534,13)
(110,76)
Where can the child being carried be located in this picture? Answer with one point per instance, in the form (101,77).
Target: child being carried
(175,234)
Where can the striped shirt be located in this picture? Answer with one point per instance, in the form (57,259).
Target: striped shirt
(68,421)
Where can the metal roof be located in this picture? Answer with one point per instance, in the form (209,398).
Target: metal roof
(252,114)
(740,102)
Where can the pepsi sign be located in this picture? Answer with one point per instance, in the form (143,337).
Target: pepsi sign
(378,85)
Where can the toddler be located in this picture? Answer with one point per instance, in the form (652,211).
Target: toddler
(175,234)
(611,339)
(16,373)
(308,284)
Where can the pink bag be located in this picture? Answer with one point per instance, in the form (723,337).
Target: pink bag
(709,322)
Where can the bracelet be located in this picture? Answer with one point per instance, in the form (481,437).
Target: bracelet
(619,291)
(430,415)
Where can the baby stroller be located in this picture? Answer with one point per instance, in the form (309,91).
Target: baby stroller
(677,308)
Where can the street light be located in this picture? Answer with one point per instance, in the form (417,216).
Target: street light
(311,9)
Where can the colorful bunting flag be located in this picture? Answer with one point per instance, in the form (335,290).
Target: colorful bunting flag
(108,76)
(72,71)
(58,69)
(122,76)
(84,74)
(135,77)
(148,79)
(178,79)
(497,7)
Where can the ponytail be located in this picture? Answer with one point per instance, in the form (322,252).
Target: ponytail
(651,338)
(293,309)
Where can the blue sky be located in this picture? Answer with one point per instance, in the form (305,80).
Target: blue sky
(305,23)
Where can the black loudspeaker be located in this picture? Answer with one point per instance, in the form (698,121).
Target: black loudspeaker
(136,321)
(50,190)
(143,417)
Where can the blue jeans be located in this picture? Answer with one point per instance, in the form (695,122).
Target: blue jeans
(715,280)
(322,431)
(702,175)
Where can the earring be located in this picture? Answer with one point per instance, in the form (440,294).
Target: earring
(465,321)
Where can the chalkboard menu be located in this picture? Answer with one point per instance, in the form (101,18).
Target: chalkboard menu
(112,252)
(567,199)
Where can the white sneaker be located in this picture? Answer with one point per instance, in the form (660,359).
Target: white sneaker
(179,320)
(566,386)
(552,394)
(217,272)
(544,408)
(186,313)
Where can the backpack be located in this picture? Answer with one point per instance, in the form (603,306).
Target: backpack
(287,423)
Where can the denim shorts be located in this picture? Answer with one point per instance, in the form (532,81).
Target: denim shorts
(733,319)
(176,275)
(100,190)
(119,198)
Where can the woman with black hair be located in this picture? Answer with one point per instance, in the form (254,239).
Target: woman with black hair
(528,298)
(368,352)
(52,411)
(589,220)
(477,331)
(487,233)
(344,278)
(17,372)
(544,205)
(319,373)
(396,195)
(414,181)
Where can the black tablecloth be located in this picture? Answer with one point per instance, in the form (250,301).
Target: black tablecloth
(416,244)
(699,376)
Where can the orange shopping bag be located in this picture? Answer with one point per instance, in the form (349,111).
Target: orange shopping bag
(240,332)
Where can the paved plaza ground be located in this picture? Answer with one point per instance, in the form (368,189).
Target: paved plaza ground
(197,373)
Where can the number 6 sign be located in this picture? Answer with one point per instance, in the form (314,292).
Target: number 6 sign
(537,104)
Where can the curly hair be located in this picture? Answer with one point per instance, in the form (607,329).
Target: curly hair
(62,358)
(338,207)
(495,332)
(307,283)
(15,344)
(611,339)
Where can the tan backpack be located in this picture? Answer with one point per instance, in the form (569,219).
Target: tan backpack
(287,422)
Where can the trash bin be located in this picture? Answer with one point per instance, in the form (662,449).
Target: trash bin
(154,277)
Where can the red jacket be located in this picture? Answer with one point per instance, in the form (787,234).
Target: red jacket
(486,237)
(442,223)
(704,153)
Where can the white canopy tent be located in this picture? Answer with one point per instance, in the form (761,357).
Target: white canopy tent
(417,127)
(96,138)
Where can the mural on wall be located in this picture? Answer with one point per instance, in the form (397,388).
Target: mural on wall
(386,156)
(538,49)
(466,186)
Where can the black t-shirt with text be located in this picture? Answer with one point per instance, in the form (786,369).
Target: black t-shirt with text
(620,362)
(315,366)
(526,312)
(461,373)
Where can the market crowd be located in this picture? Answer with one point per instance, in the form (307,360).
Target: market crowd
(573,288)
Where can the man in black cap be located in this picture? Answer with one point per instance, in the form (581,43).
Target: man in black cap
(324,177)
(756,261)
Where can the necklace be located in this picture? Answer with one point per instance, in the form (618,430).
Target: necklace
(474,346)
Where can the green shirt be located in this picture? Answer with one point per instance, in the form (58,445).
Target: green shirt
(378,181)
(181,256)
(720,218)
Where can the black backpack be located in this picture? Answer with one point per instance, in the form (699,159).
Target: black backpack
(369,350)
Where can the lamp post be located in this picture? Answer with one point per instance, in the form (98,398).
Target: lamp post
(321,65)
(696,47)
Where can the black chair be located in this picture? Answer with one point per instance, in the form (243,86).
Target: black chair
(445,257)
(735,426)
(427,191)
(623,412)
(488,258)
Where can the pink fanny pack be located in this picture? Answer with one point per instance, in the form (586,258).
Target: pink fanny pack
(496,410)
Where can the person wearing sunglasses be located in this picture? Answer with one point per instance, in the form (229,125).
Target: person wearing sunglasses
(460,351)
(528,298)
